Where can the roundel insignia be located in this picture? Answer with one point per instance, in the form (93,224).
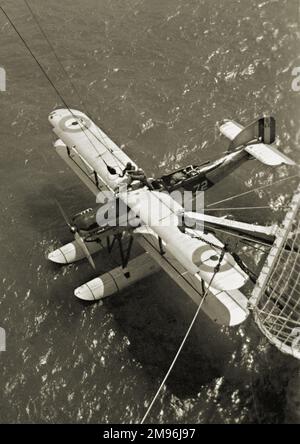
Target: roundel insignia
(207,259)
(74,123)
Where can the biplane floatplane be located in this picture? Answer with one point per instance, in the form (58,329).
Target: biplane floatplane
(183,243)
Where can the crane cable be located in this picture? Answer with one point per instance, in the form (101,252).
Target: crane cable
(63,69)
(252,190)
(216,270)
(34,57)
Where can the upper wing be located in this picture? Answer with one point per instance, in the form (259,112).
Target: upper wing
(189,259)
(160,212)
(90,148)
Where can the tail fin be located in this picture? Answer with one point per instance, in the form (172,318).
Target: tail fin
(262,130)
(261,133)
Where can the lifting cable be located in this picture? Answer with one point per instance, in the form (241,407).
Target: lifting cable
(246,208)
(63,69)
(34,57)
(253,190)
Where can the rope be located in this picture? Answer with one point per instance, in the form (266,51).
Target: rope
(250,244)
(245,208)
(242,237)
(253,190)
(34,57)
(184,339)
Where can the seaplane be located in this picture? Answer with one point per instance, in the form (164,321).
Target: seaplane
(132,207)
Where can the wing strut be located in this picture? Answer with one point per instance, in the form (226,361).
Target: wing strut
(125,255)
(161,248)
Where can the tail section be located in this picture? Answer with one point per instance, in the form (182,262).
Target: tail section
(256,139)
(262,130)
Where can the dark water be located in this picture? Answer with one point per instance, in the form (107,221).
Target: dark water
(157,76)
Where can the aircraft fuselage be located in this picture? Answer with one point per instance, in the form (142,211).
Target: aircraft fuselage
(200,178)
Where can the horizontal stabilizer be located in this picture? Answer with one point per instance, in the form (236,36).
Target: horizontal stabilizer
(230,129)
(268,154)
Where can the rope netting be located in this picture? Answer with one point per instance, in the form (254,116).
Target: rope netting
(276,297)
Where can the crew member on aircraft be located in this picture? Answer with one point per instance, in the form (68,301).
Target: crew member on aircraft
(129,167)
(134,173)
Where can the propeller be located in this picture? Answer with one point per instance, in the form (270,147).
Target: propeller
(79,239)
